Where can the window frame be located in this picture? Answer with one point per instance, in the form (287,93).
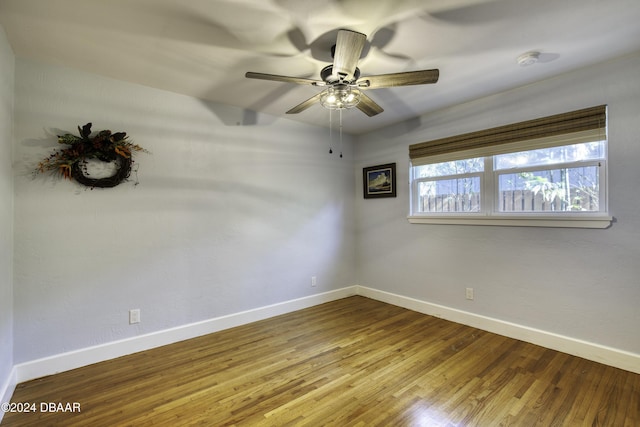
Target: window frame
(601,164)
(490,213)
(416,182)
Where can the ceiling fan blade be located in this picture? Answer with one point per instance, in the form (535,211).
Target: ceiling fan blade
(368,106)
(306,104)
(399,79)
(286,79)
(349,46)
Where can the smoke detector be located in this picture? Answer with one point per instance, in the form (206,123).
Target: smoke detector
(528,58)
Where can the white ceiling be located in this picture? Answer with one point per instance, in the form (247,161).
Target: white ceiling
(203,48)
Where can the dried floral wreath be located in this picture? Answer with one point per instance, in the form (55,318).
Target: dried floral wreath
(105,146)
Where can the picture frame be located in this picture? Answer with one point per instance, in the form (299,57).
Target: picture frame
(379,181)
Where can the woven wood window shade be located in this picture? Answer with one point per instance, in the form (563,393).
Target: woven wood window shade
(584,125)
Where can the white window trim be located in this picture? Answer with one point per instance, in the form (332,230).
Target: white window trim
(514,220)
(491,217)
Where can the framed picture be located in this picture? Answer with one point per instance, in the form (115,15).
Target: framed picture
(379,181)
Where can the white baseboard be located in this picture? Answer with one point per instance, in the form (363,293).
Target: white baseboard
(87,356)
(63,362)
(587,350)
(7,389)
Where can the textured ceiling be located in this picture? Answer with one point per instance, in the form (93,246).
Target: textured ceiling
(203,48)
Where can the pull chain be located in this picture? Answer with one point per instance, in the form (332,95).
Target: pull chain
(330,133)
(340,132)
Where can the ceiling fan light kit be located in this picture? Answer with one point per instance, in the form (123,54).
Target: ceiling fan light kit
(340,97)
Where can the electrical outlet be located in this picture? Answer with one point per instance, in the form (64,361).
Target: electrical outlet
(314,280)
(469,293)
(134,316)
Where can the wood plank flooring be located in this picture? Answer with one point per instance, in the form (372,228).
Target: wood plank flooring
(351,362)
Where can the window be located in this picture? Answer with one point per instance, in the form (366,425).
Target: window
(527,174)
(453,186)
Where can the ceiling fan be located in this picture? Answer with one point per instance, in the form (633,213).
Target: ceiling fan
(344,86)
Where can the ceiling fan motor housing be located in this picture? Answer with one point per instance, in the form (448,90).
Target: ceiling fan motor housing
(326,74)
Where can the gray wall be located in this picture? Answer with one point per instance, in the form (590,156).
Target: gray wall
(233,211)
(6,210)
(578,283)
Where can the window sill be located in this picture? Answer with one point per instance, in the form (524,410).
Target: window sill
(516,221)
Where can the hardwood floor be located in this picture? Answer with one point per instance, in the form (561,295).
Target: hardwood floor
(352,362)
